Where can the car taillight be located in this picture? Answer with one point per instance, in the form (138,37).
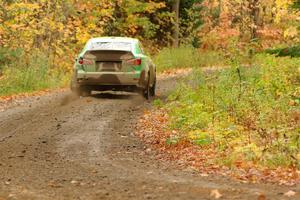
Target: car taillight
(80,61)
(137,61)
(83,61)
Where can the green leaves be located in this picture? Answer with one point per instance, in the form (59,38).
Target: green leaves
(199,137)
(251,114)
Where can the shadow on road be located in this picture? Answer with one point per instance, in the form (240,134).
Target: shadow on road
(114,95)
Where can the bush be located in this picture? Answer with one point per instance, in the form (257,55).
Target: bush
(7,56)
(187,57)
(30,73)
(288,51)
(250,113)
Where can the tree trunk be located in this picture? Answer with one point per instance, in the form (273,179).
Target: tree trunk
(175,9)
(254,12)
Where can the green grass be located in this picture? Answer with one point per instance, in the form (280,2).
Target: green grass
(187,57)
(249,113)
(29,73)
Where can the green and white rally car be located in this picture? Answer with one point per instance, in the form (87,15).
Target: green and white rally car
(113,63)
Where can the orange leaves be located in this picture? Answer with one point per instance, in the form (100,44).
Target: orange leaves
(261,197)
(59,26)
(272,21)
(53,24)
(153,130)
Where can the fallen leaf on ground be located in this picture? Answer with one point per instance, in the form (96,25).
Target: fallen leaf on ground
(215,194)
(261,197)
(54,185)
(204,175)
(74,182)
(153,128)
(290,193)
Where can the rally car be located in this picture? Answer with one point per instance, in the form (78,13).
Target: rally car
(114,63)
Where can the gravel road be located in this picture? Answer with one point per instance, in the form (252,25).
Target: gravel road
(61,147)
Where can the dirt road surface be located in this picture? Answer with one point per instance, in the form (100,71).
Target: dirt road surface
(61,147)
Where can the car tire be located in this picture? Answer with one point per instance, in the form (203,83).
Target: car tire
(153,88)
(146,91)
(77,89)
(84,92)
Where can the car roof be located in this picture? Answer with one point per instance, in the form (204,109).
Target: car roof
(90,46)
(114,39)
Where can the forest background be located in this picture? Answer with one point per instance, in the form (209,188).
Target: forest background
(39,39)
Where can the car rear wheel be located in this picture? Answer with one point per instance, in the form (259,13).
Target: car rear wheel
(84,92)
(153,88)
(77,89)
(149,91)
(146,91)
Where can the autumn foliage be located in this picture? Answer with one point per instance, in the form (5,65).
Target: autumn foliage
(40,39)
(53,32)
(242,120)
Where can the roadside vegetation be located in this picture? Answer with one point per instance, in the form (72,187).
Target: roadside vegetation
(187,57)
(245,113)
(241,120)
(28,73)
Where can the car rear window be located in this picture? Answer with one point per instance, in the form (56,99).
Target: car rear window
(122,46)
(108,55)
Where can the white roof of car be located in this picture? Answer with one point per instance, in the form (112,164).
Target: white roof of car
(114,39)
(122,43)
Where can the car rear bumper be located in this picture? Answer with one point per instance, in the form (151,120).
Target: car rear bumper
(135,78)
